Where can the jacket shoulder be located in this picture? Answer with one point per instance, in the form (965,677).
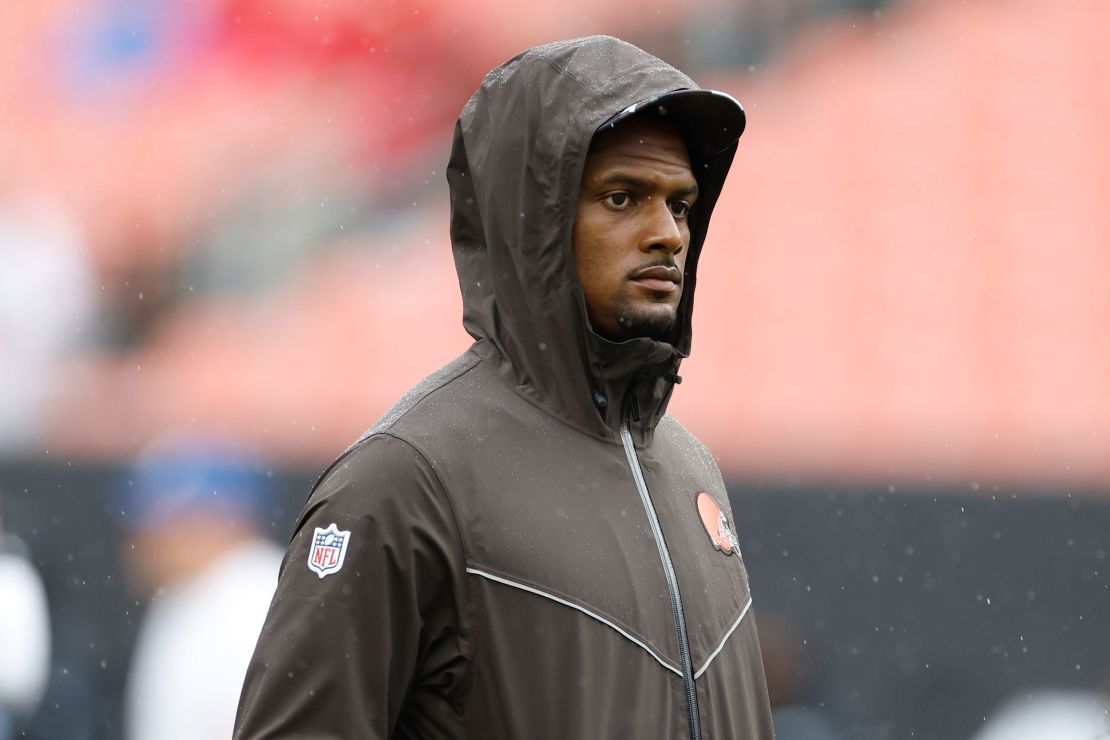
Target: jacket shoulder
(380,477)
(392,460)
(672,433)
(422,391)
(361,453)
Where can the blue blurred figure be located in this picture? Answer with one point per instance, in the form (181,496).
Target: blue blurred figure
(194,513)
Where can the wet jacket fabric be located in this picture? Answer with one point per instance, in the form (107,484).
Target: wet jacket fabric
(519,538)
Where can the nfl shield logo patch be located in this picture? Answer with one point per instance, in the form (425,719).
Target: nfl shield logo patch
(329,547)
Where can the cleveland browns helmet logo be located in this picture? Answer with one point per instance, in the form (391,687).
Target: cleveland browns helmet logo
(716,524)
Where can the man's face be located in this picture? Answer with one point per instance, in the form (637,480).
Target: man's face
(631,230)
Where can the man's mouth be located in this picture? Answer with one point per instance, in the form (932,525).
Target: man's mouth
(659,278)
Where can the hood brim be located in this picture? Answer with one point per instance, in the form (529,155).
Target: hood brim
(710,121)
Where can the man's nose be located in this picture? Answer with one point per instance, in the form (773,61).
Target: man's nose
(663,232)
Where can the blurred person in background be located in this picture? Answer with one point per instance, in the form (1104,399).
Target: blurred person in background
(488,560)
(1047,714)
(194,513)
(24,635)
(46,307)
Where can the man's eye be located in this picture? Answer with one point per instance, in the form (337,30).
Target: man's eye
(617,200)
(680,209)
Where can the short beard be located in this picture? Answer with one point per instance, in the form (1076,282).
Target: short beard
(658,326)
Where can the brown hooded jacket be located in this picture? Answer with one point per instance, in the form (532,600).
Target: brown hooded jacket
(526,545)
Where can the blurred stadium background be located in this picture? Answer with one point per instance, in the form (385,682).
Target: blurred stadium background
(230,217)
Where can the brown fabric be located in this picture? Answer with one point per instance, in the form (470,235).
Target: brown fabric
(501,578)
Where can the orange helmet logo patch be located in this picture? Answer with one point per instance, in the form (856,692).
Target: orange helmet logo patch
(716,524)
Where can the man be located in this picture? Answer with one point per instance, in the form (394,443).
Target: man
(525,546)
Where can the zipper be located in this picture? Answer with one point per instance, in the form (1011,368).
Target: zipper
(668,570)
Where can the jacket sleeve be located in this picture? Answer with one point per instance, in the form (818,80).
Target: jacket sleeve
(343,654)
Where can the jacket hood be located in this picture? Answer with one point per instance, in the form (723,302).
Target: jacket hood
(517,159)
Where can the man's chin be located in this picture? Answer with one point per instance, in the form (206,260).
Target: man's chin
(657,323)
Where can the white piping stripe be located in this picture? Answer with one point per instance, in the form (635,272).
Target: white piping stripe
(587,612)
(725,638)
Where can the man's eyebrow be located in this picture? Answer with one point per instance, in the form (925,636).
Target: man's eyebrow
(639,183)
